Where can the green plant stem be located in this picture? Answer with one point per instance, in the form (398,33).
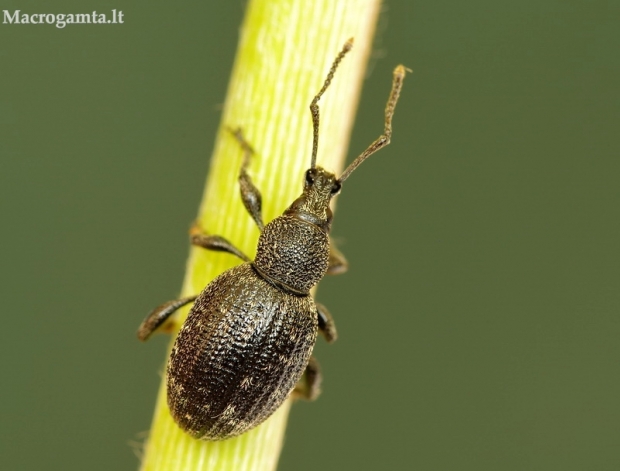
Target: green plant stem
(285,50)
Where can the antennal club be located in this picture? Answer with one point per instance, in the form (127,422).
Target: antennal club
(384,139)
(314,107)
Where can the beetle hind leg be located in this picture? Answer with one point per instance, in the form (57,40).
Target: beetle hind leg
(309,387)
(159,315)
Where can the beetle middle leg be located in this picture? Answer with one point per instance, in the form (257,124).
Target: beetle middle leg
(327,325)
(250,195)
(309,387)
(215,243)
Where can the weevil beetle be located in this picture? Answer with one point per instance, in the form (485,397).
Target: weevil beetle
(249,336)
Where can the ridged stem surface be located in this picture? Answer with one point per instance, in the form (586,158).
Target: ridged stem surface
(285,50)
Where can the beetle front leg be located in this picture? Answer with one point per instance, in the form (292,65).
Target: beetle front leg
(337,264)
(309,387)
(159,315)
(326,323)
(250,195)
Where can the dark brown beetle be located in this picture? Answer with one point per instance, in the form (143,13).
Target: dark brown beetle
(248,339)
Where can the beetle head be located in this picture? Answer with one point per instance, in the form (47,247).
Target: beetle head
(320,186)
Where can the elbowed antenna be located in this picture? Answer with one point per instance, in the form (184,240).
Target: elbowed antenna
(384,139)
(314,107)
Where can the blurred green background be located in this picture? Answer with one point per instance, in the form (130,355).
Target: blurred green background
(479,325)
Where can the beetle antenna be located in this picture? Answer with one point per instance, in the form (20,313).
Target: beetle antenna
(314,107)
(384,139)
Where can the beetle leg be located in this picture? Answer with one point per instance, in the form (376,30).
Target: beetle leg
(309,387)
(337,263)
(159,315)
(215,242)
(326,323)
(250,195)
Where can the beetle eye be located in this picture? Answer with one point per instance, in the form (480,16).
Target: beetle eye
(310,176)
(336,188)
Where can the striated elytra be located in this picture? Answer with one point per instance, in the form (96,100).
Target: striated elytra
(247,342)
